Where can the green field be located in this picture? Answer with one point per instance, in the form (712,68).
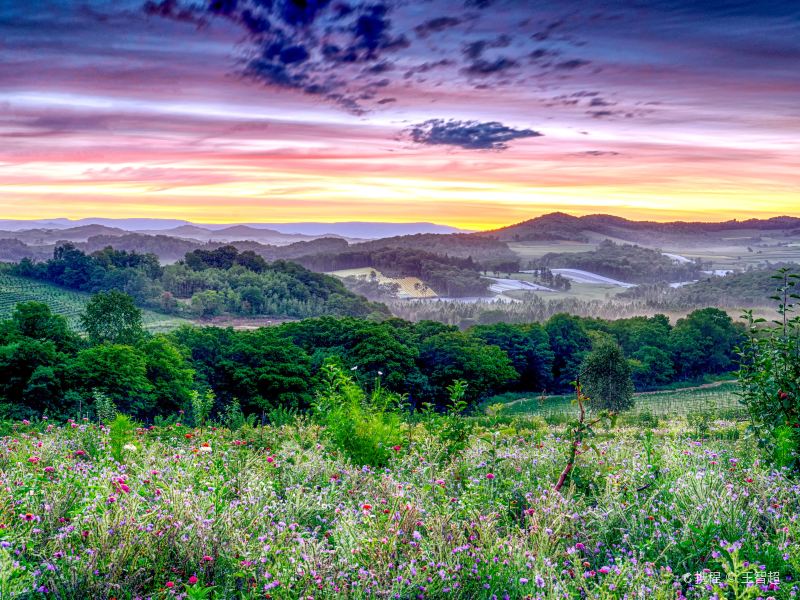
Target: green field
(65,302)
(712,399)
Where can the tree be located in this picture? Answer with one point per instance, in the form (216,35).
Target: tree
(569,342)
(705,342)
(112,317)
(528,348)
(35,320)
(263,371)
(31,376)
(168,372)
(120,372)
(605,377)
(447,357)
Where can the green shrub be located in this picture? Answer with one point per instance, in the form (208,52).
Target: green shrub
(365,428)
(202,404)
(104,407)
(769,374)
(121,434)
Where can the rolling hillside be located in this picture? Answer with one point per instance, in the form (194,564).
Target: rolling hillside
(65,302)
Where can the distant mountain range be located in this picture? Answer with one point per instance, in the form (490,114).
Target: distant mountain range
(354,230)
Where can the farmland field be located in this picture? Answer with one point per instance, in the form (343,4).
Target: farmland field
(408,287)
(714,398)
(65,302)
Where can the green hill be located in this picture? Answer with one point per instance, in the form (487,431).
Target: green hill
(69,303)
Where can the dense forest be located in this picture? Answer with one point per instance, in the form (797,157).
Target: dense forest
(625,262)
(46,367)
(207,283)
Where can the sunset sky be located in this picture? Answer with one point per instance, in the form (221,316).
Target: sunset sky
(475,113)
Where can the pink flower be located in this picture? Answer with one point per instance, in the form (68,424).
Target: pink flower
(490,476)
(207,558)
(270,459)
(26,422)
(34,459)
(49,469)
(397,448)
(192,580)
(170,584)
(605,570)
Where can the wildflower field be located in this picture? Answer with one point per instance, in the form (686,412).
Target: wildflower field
(282,512)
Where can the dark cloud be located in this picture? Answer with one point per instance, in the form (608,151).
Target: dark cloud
(547,32)
(172,9)
(598,153)
(436,25)
(575,63)
(427,67)
(483,67)
(472,135)
(474,50)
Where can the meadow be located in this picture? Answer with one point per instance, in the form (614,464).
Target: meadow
(282,512)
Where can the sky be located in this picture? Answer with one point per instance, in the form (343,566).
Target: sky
(472,113)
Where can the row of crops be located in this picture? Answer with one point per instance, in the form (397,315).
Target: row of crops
(64,302)
(718,399)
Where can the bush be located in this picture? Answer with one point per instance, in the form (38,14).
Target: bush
(121,434)
(769,374)
(104,408)
(365,428)
(201,407)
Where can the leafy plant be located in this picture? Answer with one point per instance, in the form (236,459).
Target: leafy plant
(579,433)
(769,372)
(120,433)
(282,415)
(365,428)
(104,407)
(202,404)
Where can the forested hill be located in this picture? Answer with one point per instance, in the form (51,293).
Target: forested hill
(561,226)
(626,262)
(208,283)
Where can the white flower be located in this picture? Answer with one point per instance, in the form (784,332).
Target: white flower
(206,449)
(129,447)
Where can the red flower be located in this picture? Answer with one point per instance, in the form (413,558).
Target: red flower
(188,436)
(192,580)
(367,507)
(782,395)
(397,448)
(170,584)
